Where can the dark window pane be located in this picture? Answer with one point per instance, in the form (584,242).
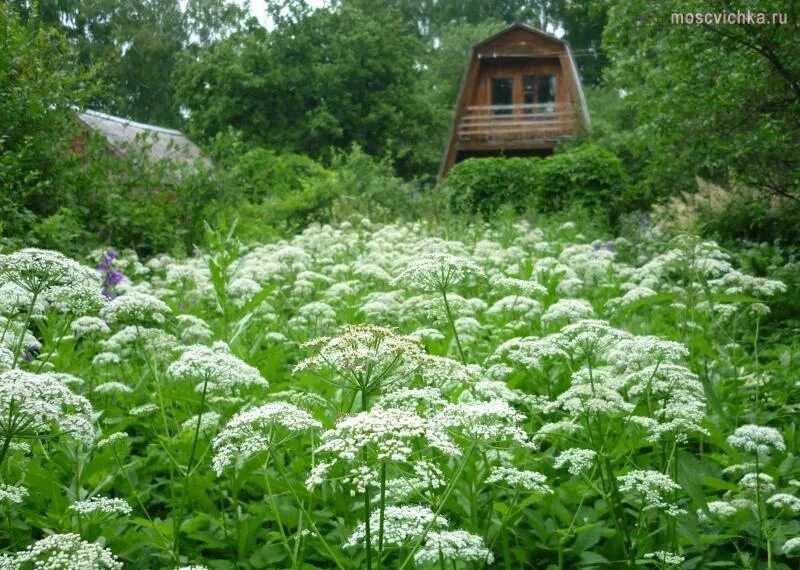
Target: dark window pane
(538,89)
(502,94)
(547,89)
(529,91)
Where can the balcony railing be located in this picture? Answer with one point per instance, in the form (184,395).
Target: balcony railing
(495,124)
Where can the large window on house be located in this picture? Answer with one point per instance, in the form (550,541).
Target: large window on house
(502,94)
(539,89)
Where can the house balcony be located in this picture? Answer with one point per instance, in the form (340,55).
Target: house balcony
(521,126)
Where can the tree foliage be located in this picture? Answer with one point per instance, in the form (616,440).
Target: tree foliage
(321,80)
(38,88)
(133,45)
(718,100)
(585,176)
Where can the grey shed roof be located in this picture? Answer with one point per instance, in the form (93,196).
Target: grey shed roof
(162,144)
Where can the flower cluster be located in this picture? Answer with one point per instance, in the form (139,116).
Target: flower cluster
(41,403)
(257,430)
(135,307)
(366,357)
(530,481)
(453,545)
(653,488)
(102,506)
(756,439)
(401,525)
(576,460)
(437,271)
(214,368)
(668,558)
(12,494)
(64,552)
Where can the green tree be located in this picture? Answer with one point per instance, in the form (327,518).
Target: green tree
(319,80)
(38,89)
(718,100)
(583,24)
(134,45)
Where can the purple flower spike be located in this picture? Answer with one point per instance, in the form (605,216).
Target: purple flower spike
(114,277)
(30,352)
(111,277)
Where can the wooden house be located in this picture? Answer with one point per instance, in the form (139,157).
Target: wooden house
(519,96)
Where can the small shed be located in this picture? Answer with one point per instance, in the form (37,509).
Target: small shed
(520,95)
(122,135)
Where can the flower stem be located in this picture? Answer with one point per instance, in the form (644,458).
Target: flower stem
(380,520)
(453,326)
(177,522)
(21,340)
(367,536)
(310,520)
(138,498)
(446,495)
(4,449)
(278,521)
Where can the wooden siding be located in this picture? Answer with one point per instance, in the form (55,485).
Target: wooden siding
(478,125)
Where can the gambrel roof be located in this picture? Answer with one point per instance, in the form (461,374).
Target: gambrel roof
(122,134)
(516,41)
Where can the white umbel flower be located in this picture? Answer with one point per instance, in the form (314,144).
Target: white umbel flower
(570,310)
(143,410)
(83,326)
(136,308)
(531,481)
(12,494)
(112,388)
(401,525)
(492,421)
(43,271)
(589,337)
(65,552)
(668,558)
(216,366)
(520,286)
(721,509)
(365,357)
(792,546)
(784,501)
(653,486)
(528,352)
(757,439)
(36,403)
(112,439)
(576,460)
(762,482)
(437,271)
(209,421)
(102,506)
(389,431)
(453,545)
(193,329)
(257,430)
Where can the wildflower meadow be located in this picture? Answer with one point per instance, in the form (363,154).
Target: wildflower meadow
(398,396)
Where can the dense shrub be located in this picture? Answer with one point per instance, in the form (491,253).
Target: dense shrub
(37,89)
(730,214)
(484,184)
(586,176)
(589,175)
(263,174)
(285,193)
